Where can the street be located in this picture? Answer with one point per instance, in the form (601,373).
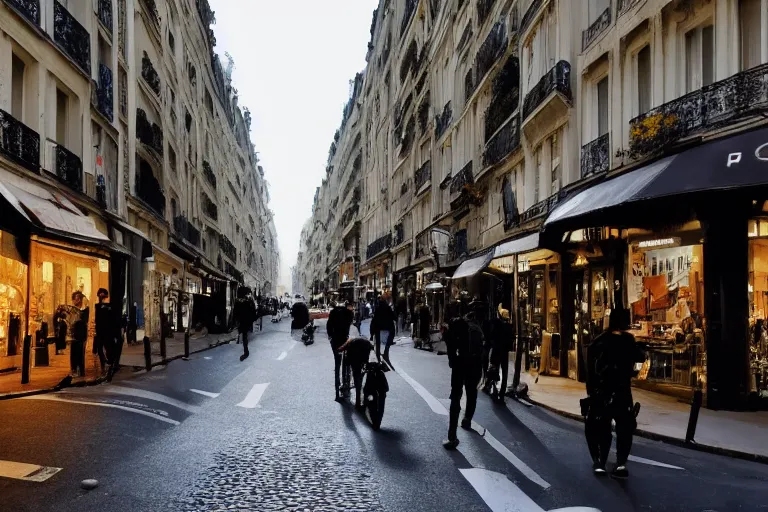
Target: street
(214,433)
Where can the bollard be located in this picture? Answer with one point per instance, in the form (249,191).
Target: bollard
(186,344)
(147,353)
(694,417)
(26,354)
(162,346)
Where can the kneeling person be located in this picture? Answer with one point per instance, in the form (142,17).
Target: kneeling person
(358,351)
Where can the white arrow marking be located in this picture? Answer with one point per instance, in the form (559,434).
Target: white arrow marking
(650,462)
(53,398)
(28,472)
(205,393)
(282,356)
(149,395)
(253,396)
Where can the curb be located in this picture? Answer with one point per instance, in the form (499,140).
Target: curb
(716,450)
(101,379)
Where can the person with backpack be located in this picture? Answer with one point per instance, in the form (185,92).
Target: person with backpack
(339,322)
(464,340)
(610,367)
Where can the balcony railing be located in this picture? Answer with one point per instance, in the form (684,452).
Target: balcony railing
(65,165)
(423,113)
(210,177)
(30,9)
(463,177)
(209,208)
(557,79)
(399,233)
(491,50)
(104,13)
(72,37)
(505,99)
(149,190)
(719,104)
(379,245)
(423,175)
(19,142)
(149,133)
(443,121)
(596,28)
(595,156)
(541,208)
(530,14)
(186,230)
(506,141)
(227,247)
(149,74)
(423,244)
(103,92)
(484,8)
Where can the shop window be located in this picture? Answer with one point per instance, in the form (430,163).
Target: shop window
(699,57)
(757,289)
(13,292)
(644,71)
(749,26)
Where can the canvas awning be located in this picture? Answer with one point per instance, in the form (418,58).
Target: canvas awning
(473,265)
(516,246)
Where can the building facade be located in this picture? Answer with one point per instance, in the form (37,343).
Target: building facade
(562,159)
(127,162)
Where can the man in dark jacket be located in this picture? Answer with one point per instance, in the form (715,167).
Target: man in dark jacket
(358,352)
(245,315)
(464,340)
(610,366)
(383,329)
(103,340)
(300,314)
(339,321)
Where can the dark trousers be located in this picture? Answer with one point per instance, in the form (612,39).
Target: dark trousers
(99,348)
(357,377)
(486,361)
(460,382)
(337,359)
(77,357)
(244,339)
(597,429)
(500,359)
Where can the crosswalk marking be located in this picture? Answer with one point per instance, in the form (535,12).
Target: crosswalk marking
(205,393)
(53,398)
(150,395)
(254,395)
(28,472)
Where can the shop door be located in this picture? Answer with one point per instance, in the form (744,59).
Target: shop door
(580,336)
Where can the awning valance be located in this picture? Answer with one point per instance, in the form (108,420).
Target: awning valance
(516,246)
(737,162)
(473,265)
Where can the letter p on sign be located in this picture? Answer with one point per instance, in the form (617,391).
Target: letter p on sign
(733,158)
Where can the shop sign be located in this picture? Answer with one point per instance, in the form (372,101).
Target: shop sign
(523,266)
(659,243)
(504,264)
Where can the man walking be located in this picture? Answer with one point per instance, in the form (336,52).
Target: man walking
(464,340)
(245,315)
(383,329)
(103,340)
(79,335)
(339,321)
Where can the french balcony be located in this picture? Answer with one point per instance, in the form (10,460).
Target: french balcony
(490,51)
(423,176)
(29,9)
(462,178)
(595,156)
(102,93)
(210,209)
(378,246)
(71,37)
(505,99)
(19,142)
(548,101)
(542,208)
(150,134)
(104,13)
(443,121)
(716,105)
(148,189)
(65,165)
(210,177)
(597,27)
(227,247)
(186,230)
(503,143)
(149,74)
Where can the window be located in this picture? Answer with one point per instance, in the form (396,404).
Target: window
(749,25)
(554,152)
(602,107)
(699,57)
(17,87)
(61,117)
(537,176)
(644,80)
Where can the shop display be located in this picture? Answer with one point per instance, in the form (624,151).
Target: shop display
(758,305)
(13,292)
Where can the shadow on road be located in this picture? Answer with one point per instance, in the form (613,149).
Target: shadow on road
(389,445)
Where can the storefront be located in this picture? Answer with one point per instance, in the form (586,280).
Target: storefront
(758,305)
(13,296)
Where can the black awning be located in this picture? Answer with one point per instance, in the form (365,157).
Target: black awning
(733,163)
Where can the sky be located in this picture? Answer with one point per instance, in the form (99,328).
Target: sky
(293,63)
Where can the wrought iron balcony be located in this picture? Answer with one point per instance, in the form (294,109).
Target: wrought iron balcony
(19,142)
(530,13)
(505,98)
(542,208)
(443,121)
(149,74)
(557,79)
(595,156)
(29,9)
(484,8)
(491,50)
(209,208)
(227,247)
(716,105)
(596,28)
(423,175)
(104,13)
(148,133)
(463,177)
(423,113)
(148,188)
(399,232)
(65,165)
(504,143)
(460,247)
(379,245)
(102,97)
(410,10)
(210,177)
(186,230)
(71,37)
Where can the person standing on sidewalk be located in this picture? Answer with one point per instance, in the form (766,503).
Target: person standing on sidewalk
(245,315)
(339,321)
(383,329)
(79,335)
(103,340)
(464,339)
(610,366)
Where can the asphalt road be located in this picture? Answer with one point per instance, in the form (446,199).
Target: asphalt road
(266,434)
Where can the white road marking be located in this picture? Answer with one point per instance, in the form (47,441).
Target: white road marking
(282,356)
(432,402)
(149,395)
(253,396)
(52,398)
(207,357)
(650,462)
(205,393)
(28,472)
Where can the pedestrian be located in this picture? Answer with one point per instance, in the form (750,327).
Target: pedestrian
(358,350)
(464,340)
(610,367)
(339,321)
(383,329)
(503,339)
(103,340)
(79,335)
(245,315)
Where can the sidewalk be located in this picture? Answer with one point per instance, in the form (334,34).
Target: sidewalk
(47,377)
(737,434)
(133,355)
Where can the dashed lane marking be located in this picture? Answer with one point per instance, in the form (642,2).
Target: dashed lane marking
(150,395)
(282,356)
(254,395)
(53,398)
(27,472)
(205,393)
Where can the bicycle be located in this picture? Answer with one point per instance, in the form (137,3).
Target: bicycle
(375,388)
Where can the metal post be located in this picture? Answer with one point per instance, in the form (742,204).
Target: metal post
(186,343)
(25,359)
(519,344)
(147,353)
(694,416)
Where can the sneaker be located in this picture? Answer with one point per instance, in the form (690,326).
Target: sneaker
(450,444)
(620,472)
(243,357)
(598,469)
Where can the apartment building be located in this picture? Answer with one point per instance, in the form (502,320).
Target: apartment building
(125,163)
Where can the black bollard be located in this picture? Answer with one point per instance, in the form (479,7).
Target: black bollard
(186,344)
(162,346)
(25,356)
(694,417)
(147,353)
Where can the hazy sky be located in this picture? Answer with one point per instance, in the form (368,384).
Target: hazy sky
(293,63)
